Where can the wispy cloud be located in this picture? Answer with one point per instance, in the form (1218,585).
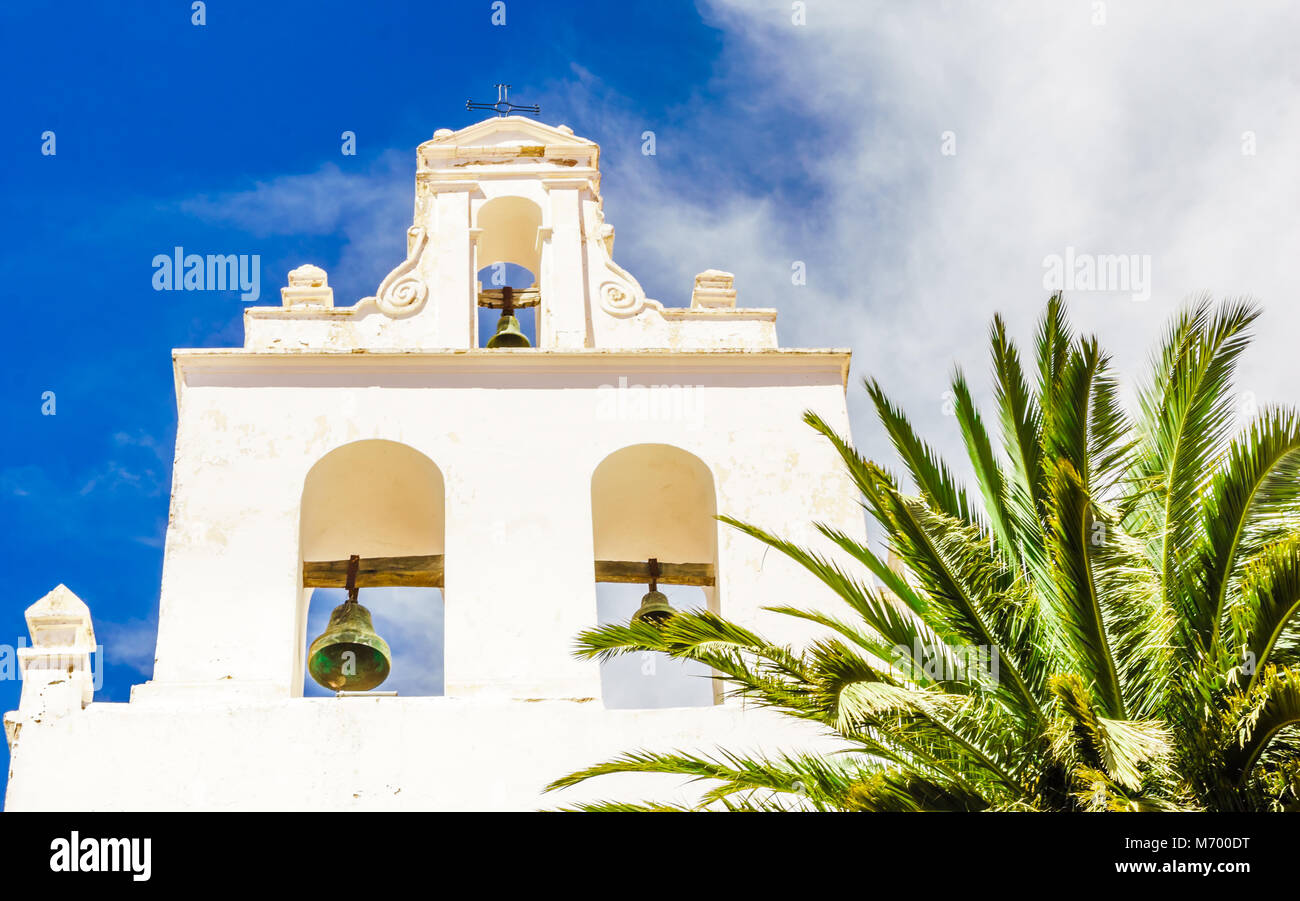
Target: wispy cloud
(129,467)
(369,210)
(131,643)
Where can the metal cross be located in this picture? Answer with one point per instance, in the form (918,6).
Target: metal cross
(503,107)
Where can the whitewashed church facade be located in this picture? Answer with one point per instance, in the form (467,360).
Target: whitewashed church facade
(386,430)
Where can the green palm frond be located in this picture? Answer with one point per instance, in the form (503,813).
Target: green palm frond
(1186,413)
(1272,706)
(899,624)
(627,807)
(1021,436)
(962,583)
(866,475)
(1075,602)
(903,792)
(1121,750)
(1054,344)
(933,479)
(1128,587)
(1270,602)
(988,472)
(1252,499)
(813,781)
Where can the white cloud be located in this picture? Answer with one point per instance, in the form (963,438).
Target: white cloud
(1120,138)
(822,143)
(370,210)
(130,643)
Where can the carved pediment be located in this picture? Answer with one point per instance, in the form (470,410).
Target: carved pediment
(507,138)
(506,130)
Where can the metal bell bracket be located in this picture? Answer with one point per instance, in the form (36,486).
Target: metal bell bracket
(507,299)
(655,607)
(354,564)
(508,334)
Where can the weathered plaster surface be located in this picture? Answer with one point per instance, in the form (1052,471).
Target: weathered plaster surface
(363,753)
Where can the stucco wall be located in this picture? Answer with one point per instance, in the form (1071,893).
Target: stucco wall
(517,442)
(517,439)
(340,754)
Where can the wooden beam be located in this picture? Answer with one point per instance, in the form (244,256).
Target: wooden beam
(493,300)
(427,572)
(376,572)
(638,571)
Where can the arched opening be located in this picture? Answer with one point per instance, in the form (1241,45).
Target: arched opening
(509,255)
(508,229)
(654,501)
(382,501)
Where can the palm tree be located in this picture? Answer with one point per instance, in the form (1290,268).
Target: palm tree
(1130,583)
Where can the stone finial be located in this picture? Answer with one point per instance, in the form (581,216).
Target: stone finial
(308,276)
(442,134)
(308,287)
(56,669)
(714,289)
(62,620)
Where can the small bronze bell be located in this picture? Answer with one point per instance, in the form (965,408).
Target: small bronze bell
(508,333)
(654,608)
(348,655)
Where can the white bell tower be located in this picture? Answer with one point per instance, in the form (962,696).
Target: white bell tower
(514,479)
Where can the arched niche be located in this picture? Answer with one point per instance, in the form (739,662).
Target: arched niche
(373,498)
(508,253)
(508,233)
(655,501)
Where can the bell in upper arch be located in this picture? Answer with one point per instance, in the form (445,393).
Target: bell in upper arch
(508,333)
(349,656)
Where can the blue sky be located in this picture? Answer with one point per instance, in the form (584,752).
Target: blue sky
(776,142)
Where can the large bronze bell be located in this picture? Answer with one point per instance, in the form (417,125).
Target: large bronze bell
(508,333)
(349,656)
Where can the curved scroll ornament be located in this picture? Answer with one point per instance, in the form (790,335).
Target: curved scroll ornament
(619,294)
(619,299)
(403,292)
